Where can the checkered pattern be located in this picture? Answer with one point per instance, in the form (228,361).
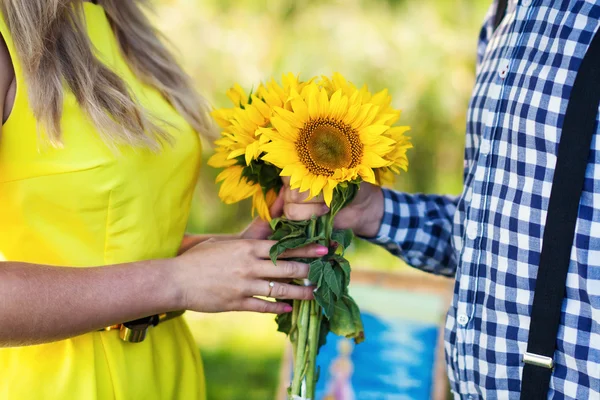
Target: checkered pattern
(490,237)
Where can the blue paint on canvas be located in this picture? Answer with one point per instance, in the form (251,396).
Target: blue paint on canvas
(394,363)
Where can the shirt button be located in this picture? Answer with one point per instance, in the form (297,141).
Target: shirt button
(485,147)
(462,320)
(472,230)
(503,71)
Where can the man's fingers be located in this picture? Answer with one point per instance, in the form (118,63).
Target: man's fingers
(304,211)
(276,209)
(295,196)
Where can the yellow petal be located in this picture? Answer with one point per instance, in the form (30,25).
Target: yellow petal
(328,191)
(254,115)
(352,113)
(236,153)
(337,105)
(252,152)
(363,120)
(372,160)
(372,133)
(323,103)
(291,118)
(300,108)
(312,101)
(263,108)
(367,174)
(286,131)
(317,185)
(237,95)
(307,183)
(382,99)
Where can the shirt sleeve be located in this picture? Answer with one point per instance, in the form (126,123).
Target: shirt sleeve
(418,229)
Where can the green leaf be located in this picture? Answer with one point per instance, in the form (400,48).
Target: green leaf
(285,244)
(333,280)
(280,233)
(315,239)
(324,297)
(346,320)
(360,330)
(323,332)
(343,237)
(284,323)
(344,265)
(316,271)
(275,223)
(343,195)
(266,175)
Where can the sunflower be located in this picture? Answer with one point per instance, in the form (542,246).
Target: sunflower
(238,149)
(235,187)
(386,176)
(333,133)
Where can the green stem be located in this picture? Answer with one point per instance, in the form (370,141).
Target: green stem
(313,343)
(300,361)
(294,329)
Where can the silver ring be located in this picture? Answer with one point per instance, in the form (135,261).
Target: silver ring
(271,286)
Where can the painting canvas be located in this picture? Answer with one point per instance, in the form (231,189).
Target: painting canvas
(401,358)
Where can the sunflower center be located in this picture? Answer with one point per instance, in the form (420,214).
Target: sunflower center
(325,145)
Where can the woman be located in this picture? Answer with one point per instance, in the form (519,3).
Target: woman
(98,159)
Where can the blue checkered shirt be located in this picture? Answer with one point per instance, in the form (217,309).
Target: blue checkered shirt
(490,237)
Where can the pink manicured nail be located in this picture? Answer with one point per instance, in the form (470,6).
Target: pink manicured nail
(287,308)
(322,250)
(325,209)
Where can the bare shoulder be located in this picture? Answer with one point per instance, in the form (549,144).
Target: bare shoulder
(7,73)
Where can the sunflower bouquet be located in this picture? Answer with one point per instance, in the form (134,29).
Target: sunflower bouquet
(327,136)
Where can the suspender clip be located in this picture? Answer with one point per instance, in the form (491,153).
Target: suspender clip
(538,361)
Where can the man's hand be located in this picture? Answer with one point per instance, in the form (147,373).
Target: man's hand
(259,229)
(363,215)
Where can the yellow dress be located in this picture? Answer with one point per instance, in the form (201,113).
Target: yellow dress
(85,205)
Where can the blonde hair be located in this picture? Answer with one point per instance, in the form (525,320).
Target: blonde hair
(54,49)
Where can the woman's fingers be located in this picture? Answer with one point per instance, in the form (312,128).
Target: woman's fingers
(283,270)
(278,290)
(261,249)
(311,251)
(264,306)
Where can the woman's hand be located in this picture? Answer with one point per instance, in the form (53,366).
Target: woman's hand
(217,276)
(363,215)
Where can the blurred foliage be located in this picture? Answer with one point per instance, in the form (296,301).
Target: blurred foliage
(423,51)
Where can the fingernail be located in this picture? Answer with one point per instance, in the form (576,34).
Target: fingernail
(322,250)
(287,308)
(325,208)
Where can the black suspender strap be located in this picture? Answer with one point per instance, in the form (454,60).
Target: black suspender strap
(573,152)
(500,12)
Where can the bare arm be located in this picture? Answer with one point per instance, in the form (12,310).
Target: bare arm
(42,303)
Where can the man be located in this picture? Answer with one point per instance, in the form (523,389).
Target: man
(490,238)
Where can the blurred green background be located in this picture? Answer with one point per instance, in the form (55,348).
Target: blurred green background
(423,51)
